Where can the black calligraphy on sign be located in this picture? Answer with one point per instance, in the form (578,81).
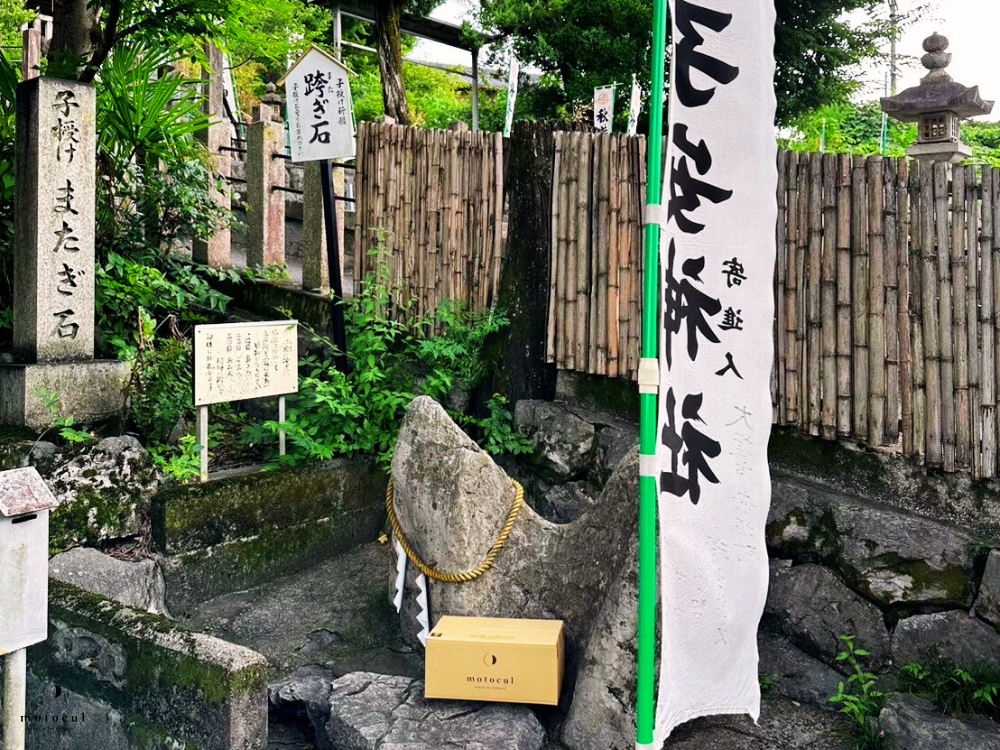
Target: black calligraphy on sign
(734,272)
(689,56)
(731,320)
(684,303)
(341,103)
(316,83)
(66,239)
(730,367)
(66,329)
(687,191)
(690,447)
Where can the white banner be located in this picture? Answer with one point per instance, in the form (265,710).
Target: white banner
(604,108)
(634,108)
(515,71)
(717,257)
(320,118)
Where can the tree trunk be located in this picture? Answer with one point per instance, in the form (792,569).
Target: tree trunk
(74,31)
(390,59)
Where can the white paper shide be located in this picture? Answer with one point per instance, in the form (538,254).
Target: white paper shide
(320,118)
(717,258)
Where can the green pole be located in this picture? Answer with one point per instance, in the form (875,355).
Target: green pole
(648,390)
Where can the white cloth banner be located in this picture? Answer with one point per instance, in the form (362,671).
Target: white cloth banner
(512,80)
(604,108)
(717,257)
(634,108)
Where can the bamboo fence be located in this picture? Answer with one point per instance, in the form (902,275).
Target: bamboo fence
(886,283)
(434,200)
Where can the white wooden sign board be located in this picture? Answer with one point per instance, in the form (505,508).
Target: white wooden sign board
(239,361)
(320,118)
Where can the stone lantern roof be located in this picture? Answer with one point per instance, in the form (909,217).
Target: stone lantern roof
(938,91)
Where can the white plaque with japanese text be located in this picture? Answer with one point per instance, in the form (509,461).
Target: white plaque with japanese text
(717,258)
(239,361)
(320,118)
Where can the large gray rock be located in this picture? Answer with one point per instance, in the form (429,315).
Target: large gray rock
(988,604)
(452,499)
(102,489)
(814,608)
(379,712)
(602,712)
(563,442)
(565,503)
(135,584)
(888,555)
(611,445)
(954,637)
(913,723)
(794,674)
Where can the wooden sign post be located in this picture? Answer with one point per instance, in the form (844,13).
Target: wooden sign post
(241,361)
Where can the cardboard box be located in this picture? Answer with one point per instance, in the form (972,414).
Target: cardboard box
(489,659)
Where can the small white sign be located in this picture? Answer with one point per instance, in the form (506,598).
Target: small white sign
(634,108)
(239,361)
(604,108)
(320,117)
(515,71)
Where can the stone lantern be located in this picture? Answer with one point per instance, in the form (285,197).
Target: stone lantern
(938,106)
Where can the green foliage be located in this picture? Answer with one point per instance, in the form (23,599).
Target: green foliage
(394,356)
(499,436)
(64,425)
(766,683)
(849,129)
(161,385)
(183,463)
(13,15)
(955,690)
(859,697)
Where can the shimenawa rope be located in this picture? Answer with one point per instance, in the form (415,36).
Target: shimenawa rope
(477,571)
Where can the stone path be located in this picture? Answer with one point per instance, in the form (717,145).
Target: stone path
(336,615)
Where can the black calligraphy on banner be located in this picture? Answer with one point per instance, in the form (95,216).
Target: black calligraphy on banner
(686,190)
(686,304)
(689,447)
(689,56)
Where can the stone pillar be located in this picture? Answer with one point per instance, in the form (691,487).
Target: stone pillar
(54,260)
(315,264)
(265,205)
(217,252)
(31,51)
(54,222)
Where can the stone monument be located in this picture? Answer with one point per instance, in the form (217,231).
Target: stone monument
(938,106)
(54,258)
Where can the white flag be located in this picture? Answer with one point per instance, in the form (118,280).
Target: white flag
(604,108)
(716,348)
(515,71)
(634,107)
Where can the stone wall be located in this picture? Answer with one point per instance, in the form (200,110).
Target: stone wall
(235,532)
(113,678)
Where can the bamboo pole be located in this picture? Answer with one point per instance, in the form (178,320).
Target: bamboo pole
(813,308)
(861,302)
(876,302)
(614,251)
(801,304)
(550,340)
(931,329)
(920,209)
(791,295)
(996,285)
(905,383)
(778,389)
(942,216)
(890,281)
(844,315)
(960,337)
(572,311)
(584,250)
(987,327)
(828,301)
(972,301)
(600,251)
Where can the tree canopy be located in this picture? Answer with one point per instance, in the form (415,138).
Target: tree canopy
(582,44)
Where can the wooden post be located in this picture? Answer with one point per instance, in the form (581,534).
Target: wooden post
(860,283)
(972,297)
(876,303)
(828,301)
(780,406)
(903,273)
(960,338)
(31,51)
(931,333)
(281,420)
(891,301)
(844,317)
(946,352)
(202,430)
(791,295)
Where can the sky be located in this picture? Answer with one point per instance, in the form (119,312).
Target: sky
(970,25)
